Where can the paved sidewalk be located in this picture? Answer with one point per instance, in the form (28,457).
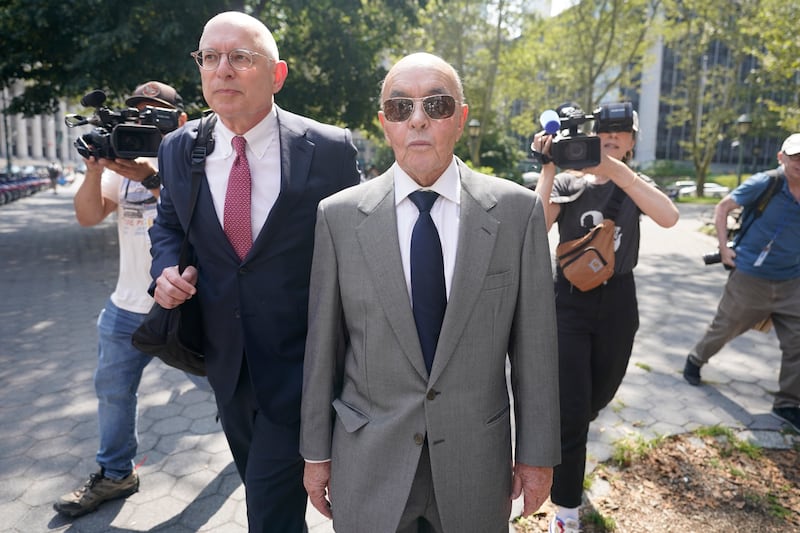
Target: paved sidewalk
(56,276)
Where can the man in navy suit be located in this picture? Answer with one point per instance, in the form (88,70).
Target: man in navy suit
(252,261)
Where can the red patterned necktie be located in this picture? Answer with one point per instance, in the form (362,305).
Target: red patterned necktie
(236,219)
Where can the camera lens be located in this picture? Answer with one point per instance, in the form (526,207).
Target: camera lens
(575,151)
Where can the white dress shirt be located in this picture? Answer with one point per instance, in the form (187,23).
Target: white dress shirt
(264,158)
(445,214)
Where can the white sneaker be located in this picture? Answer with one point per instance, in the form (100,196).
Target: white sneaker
(564,526)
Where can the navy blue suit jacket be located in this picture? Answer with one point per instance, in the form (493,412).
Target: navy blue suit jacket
(257,307)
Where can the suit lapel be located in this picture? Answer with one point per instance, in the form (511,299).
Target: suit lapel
(476,241)
(377,236)
(296,152)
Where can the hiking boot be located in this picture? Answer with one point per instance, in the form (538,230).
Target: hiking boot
(790,415)
(691,372)
(97,490)
(564,526)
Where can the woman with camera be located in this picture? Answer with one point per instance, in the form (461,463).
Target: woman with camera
(596,327)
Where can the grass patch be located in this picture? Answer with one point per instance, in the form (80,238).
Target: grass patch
(644,366)
(714,431)
(770,503)
(604,523)
(628,450)
(735,472)
(695,200)
(728,442)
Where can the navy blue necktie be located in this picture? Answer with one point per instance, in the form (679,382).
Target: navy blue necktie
(428,293)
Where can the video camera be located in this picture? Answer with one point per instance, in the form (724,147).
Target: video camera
(126,133)
(574,149)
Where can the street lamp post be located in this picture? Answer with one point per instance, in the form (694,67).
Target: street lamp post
(474,131)
(742,127)
(756,153)
(7,134)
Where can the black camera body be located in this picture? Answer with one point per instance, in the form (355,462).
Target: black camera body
(571,148)
(616,117)
(125,133)
(712,258)
(575,150)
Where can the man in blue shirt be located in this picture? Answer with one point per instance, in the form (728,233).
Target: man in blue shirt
(765,281)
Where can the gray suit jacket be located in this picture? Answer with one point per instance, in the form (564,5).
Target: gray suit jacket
(363,359)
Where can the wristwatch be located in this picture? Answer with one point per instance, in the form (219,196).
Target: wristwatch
(543,159)
(152,182)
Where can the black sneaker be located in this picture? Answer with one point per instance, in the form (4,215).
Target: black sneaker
(691,372)
(97,490)
(790,415)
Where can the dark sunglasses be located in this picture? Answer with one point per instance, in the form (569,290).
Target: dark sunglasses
(437,107)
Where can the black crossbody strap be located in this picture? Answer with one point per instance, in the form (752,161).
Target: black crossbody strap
(612,207)
(750,215)
(203,146)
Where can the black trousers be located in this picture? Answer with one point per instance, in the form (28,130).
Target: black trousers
(268,460)
(596,330)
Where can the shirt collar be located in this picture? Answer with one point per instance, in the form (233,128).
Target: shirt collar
(259,137)
(448,185)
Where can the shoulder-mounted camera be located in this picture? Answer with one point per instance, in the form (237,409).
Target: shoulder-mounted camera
(573,149)
(125,133)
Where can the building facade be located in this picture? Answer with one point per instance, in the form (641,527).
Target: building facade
(37,140)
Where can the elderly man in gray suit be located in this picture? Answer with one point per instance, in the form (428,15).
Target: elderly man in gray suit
(406,422)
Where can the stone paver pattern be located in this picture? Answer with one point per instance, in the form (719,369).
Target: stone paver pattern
(55,277)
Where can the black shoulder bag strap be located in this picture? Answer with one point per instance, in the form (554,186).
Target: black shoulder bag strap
(203,146)
(751,214)
(612,207)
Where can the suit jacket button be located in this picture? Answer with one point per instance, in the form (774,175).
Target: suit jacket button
(419,439)
(431,395)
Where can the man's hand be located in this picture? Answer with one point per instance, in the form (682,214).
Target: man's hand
(727,255)
(534,483)
(316,478)
(172,288)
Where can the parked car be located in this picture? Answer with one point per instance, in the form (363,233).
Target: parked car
(685,188)
(530,179)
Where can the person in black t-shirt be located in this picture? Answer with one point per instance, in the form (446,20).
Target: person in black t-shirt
(596,328)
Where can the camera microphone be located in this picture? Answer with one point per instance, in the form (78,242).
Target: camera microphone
(93,99)
(550,121)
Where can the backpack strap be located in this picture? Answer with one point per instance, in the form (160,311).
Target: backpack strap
(750,214)
(202,147)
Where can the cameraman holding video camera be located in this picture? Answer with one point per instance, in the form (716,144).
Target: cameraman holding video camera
(596,328)
(765,280)
(129,187)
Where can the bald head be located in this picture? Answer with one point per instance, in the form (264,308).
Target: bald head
(254,29)
(423,60)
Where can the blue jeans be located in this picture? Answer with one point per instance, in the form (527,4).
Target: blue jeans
(116,382)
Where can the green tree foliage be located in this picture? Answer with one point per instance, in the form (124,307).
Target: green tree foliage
(773,30)
(334,49)
(64,49)
(67,48)
(605,41)
(588,54)
(709,90)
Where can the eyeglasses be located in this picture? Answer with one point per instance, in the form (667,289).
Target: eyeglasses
(238,58)
(437,107)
